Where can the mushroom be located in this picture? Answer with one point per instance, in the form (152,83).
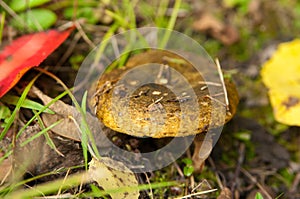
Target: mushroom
(125,103)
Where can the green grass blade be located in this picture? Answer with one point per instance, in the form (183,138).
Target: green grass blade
(76,180)
(13,100)
(46,134)
(171,24)
(105,40)
(160,20)
(84,131)
(40,111)
(18,106)
(40,133)
(2,21)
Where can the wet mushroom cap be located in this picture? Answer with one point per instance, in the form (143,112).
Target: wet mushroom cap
(154,109)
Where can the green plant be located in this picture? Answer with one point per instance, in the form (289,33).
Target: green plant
(258,196)
(188,168)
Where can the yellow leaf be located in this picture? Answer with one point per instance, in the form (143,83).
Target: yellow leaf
(114,175)
(281,74)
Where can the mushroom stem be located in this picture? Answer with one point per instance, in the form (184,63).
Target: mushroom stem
(203,148)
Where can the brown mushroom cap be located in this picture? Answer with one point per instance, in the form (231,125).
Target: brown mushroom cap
(118,90)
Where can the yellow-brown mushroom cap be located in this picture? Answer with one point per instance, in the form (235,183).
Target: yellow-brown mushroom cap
(159,101)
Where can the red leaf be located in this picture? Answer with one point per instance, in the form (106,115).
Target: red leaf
(26,52)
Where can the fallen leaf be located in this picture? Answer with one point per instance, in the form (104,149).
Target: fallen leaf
(225,194)
(281,74)
(5,170)
(67,128)
(37,157)
(210,25)
(113,175)
(23,159)
(126,187)
(26,52)
(255,11)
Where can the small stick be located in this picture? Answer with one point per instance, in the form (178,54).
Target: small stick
(63,182)
(197,194)
(160,74)
(210,97)
(178,169)
(203,182)
(295,183)
(83,35)
(218,94)
(219,181)
(223,83)
(158,100)
(237,171)
(209,83)
(263,190)
(150,188)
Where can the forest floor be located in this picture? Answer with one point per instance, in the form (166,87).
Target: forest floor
(254,153)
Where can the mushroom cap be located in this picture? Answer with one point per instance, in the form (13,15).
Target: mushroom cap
(149,97)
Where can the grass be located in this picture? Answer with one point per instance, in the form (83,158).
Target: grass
(2,21)
(17,108)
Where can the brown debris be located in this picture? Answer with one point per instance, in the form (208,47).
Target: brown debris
(225,194)
(210,25)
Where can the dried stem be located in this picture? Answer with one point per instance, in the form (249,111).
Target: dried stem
(223,83)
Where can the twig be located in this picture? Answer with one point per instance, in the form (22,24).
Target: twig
(197,194)
(150,187)
(158,100)
(83,35)
(176,165)
(201,184)
(223,83)
(295,183)
(65,178)
(214,99)
(7,174)
(159,76)
(178,169)
(220,183)
(79,134)
(192,181)
(68,52)
(238,166)
(263,190)
(209,83)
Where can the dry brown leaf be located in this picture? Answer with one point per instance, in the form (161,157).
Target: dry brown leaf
(113,175)
(208,22)
(110,179)
(24,158)
(225,194)
(67,128)
(37,157)
(210,25)
(255,11)
(5,170)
